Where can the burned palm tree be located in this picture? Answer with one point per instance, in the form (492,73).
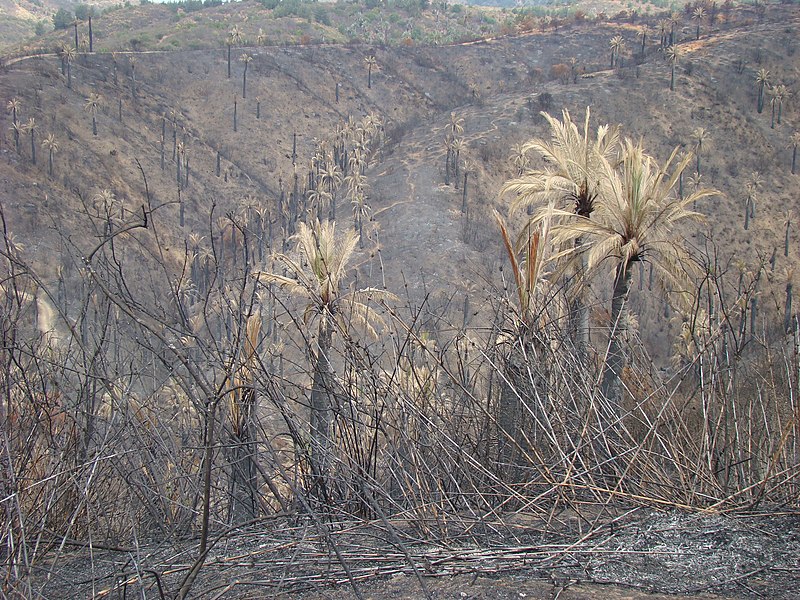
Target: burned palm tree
(794,142)
(617,44)
(234,37)
(372,63)
(245,59)
(762,81)
(635,221)
(699,15)
(92,105)
(31,127)
(13,107)
(699,135)
(570,175)
(524,394)
(673,54)
(316,273)
(50,143)
(242,407)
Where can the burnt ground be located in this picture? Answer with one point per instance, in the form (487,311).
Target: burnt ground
(635,554)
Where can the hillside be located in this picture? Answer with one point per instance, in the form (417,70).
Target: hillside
(415,89)
(19,19)
(176,369)
(194,24)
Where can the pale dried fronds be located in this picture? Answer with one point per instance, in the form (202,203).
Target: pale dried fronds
(529,269)
(318,269)
(637,217)
(572,157)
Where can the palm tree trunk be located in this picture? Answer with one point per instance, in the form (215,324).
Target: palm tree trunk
(786,238)
(747,214)
(523,403)
(464,194)
(321,417)
(616,361)
(243,467)
(787,310)
(510,409)
(579,311)
(794,159)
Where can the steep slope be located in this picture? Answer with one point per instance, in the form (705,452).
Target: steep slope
(426,242)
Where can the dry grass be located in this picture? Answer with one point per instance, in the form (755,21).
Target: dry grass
(118,429)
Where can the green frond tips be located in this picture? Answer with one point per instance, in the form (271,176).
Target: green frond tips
(638,213)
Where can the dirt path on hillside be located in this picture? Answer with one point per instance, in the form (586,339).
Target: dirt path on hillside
(419,218)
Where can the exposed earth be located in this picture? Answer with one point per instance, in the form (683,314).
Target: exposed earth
(584,553)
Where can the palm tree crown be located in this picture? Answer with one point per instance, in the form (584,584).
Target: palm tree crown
(318,272)
(762,81)
(637,214)
(13,107)
(572,158)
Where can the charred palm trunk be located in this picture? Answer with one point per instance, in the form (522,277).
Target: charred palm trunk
(616,361)
(243,507)
(321,418)
(523,403)
(579,311)
(786,238)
